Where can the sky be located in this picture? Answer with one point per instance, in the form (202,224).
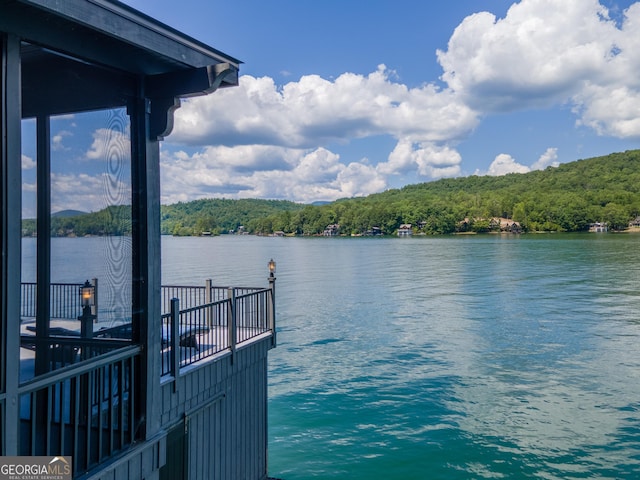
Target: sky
(344,98)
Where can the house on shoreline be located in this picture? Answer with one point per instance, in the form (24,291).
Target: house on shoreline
(332,230)
(405,230)
(599,227)
(176,386)
(494,224)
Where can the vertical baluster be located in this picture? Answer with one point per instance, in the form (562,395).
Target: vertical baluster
(174,339)
(75,411)
(121,390)
(87,392)
(100,373)
(48,419)
(111,393)
(34,422)
(231,319)
(132,398)
(60,413)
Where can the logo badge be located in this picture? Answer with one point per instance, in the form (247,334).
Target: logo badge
(36,468)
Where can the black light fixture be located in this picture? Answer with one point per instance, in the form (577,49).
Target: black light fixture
(87,295)
(272,267)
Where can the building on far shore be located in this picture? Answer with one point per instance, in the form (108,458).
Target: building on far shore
(405,230)
(599,227)
(332,230)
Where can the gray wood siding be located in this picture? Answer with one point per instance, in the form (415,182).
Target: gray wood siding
(142,462)
(223,404)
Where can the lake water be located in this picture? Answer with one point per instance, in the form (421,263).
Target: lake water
(443,357)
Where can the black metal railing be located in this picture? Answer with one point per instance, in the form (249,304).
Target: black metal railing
(195,296)
(192,334)
(87,410)
(208,320)
(64,303)
(62,351)
(82,402)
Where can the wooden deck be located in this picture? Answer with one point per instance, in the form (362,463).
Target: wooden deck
(230,318)
(214,365)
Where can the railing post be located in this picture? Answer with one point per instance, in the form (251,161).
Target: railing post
(208,299)
(175,340)
(271,306)
(231,321)
(94,282)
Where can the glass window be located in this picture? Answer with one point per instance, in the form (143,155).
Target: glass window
(76,229)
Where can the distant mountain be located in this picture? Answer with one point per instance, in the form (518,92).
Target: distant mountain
(566,198)
(216,216)
(67,213)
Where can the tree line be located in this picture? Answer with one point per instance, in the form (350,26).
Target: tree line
(567,198)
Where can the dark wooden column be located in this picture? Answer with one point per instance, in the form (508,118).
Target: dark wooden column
(10,233)
(145,179)
(43,267)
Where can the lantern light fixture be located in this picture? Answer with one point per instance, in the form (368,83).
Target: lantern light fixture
(272,267)
(87,295)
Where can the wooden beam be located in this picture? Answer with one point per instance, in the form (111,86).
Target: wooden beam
(192,82)
(165,90)
(10,232)
(43,265)
(116,20)
(108,33)
(145,189)
(54,85)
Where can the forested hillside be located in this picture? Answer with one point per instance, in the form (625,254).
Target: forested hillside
(564,198)
(219,215)
(213,216)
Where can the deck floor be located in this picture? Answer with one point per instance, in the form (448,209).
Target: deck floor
(206,343)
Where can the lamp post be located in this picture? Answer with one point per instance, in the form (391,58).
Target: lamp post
(272,310)
(88,301)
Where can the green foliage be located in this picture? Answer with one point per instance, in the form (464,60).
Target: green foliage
(565,198)
(114,220)
(218,216)
(210,217)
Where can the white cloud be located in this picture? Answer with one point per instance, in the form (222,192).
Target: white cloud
(57,140)
(275,142)
(549,52)
(109,144)
(547,159)
(504,164)
(27,163)
(315,112)
(86,192)
(299,175)
(609,111)
(430,160)
(270,141)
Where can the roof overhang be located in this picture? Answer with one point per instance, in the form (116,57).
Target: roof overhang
(89,54)
(108,32)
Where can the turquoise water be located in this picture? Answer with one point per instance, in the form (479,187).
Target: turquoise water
(474,357)
(441,358)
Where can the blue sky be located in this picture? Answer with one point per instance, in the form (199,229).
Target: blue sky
(342,98)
